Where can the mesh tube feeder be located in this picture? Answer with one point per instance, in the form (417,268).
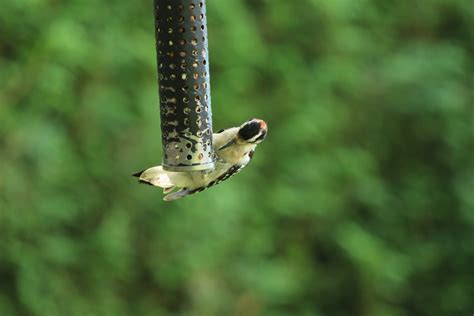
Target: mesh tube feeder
(184,87)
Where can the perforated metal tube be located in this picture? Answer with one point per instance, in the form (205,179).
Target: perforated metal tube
(183,80)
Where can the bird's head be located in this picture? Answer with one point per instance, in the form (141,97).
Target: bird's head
(253,131)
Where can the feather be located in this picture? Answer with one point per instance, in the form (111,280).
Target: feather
(157,176)
(177,195)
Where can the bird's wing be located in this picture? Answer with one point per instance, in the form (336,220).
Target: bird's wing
(177,195)
(185,191)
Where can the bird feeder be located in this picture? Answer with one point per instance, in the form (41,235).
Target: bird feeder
(184,87)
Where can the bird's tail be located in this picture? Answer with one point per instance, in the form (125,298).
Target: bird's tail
(156,176)
(167,180)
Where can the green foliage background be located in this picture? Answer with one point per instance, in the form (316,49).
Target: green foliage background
(360,201)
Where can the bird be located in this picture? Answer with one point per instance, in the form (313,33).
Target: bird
(234,148)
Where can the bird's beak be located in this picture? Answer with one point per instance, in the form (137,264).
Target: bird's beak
(232,142)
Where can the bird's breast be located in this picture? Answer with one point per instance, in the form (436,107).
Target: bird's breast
(234,155)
